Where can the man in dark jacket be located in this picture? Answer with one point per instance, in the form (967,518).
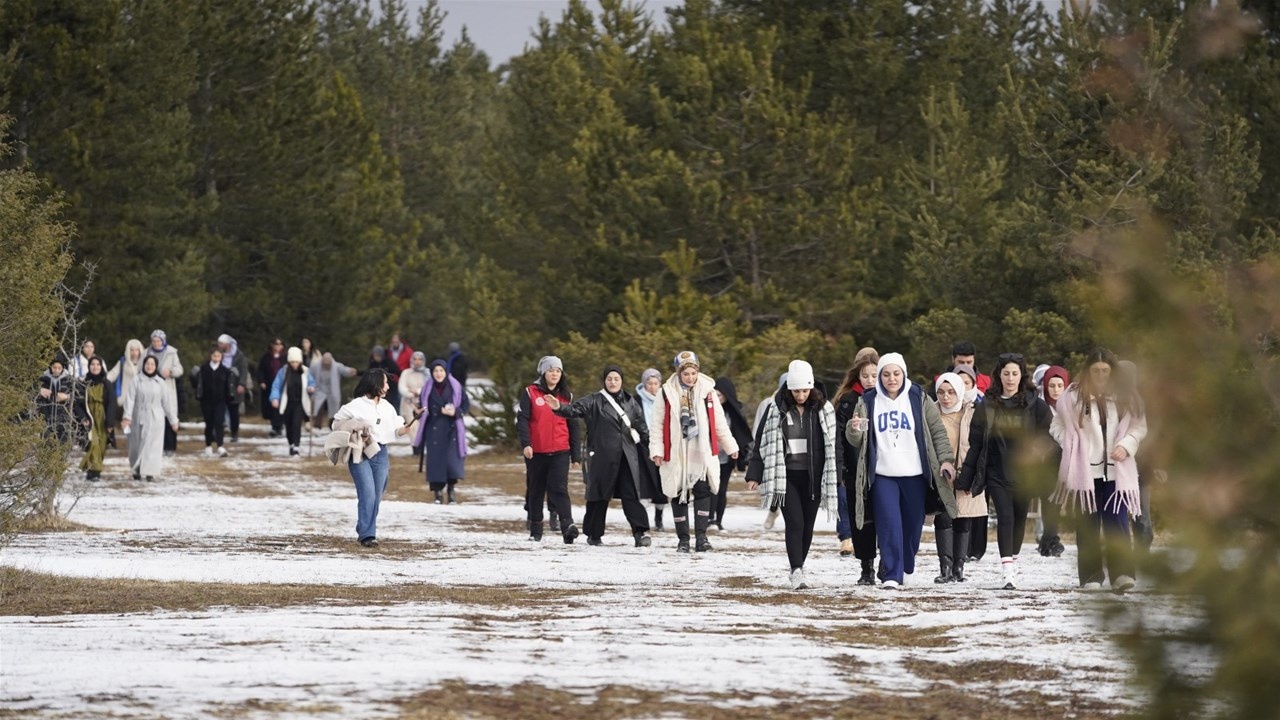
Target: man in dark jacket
(457,364)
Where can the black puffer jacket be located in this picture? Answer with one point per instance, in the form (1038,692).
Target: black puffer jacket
(738,424)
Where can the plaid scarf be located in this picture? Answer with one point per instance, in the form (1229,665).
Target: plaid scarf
(773,486)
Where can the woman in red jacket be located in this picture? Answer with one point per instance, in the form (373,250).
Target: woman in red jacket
(550,445)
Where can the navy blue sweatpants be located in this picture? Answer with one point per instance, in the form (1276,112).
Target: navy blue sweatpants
(899,509)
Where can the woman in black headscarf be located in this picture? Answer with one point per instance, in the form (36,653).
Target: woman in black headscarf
(615,426)
(95,409)
(741,430)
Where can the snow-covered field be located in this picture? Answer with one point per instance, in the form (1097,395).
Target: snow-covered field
(721,630)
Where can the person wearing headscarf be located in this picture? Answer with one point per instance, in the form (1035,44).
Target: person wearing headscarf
(952,534)
(1100,426)
(857,541)
(651,481)
(977,526)
(215,386)
(95,409)
(443,435)
(380,360)
(617,438)
(794,462)
(125,370)
(328,375)
(687,430)
(53,400)
(238,365)
(1011,419)
(291,394)
(1052,383)
(550,446)
(149,408)
(903,456)
(169,369)
(741,430)
(412,380)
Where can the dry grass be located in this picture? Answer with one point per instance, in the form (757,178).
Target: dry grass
(529,701)
(49,524)
(28,593)
(325,545)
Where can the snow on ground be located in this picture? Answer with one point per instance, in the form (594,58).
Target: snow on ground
(649,616)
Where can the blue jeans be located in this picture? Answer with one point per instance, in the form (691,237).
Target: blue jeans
(370,477)
(899,508)
(844,529)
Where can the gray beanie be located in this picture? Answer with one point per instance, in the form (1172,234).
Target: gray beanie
(547,362)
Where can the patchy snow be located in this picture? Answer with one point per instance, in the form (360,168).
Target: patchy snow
(625,608)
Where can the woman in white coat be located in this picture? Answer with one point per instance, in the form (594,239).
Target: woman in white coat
(687,431)
(149,409)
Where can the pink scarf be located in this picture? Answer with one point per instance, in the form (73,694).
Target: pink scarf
(1075,479)
(459,424)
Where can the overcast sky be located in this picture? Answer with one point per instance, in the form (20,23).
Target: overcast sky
(502,28)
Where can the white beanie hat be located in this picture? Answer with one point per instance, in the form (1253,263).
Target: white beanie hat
(295,355)
(799,375)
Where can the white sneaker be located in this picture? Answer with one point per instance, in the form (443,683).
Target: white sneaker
(891,585)
(1091,587)
(770,519)
(208,451)
(1010,574)
(1123,584)
(798,579)
(222,452)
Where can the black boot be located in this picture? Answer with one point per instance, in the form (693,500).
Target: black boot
(657,519)
(439,497)
(682,532)
(570,534)
(594,540)
(642,538)
(959,551)
(452,499)
(701,521)
(555,523)
(535,531)
(868,576)
(946,549)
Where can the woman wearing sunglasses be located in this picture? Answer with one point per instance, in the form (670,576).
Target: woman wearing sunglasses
(1011,417)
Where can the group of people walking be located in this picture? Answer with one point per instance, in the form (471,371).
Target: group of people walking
(882,456)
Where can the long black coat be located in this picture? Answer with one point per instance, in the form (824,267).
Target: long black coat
(609,442)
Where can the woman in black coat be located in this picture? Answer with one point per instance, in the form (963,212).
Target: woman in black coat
(741,430)
(615,425)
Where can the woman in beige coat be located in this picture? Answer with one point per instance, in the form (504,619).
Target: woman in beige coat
(952,534)
(687,431)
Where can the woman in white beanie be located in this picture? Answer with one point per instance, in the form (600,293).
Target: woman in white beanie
(551,447)
(794,462)
(291,396)
(687,430)
(903,454)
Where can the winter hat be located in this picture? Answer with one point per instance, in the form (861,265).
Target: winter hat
(225,339)
(454,347)
(547,362)
(686,358)
(1055,371)
(378,350)
(957,383)
(608,369)
(892,359)
(648,373)
(973,375)
(799,375)
(294,355)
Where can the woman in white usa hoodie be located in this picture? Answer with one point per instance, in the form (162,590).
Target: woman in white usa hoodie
(903,456)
